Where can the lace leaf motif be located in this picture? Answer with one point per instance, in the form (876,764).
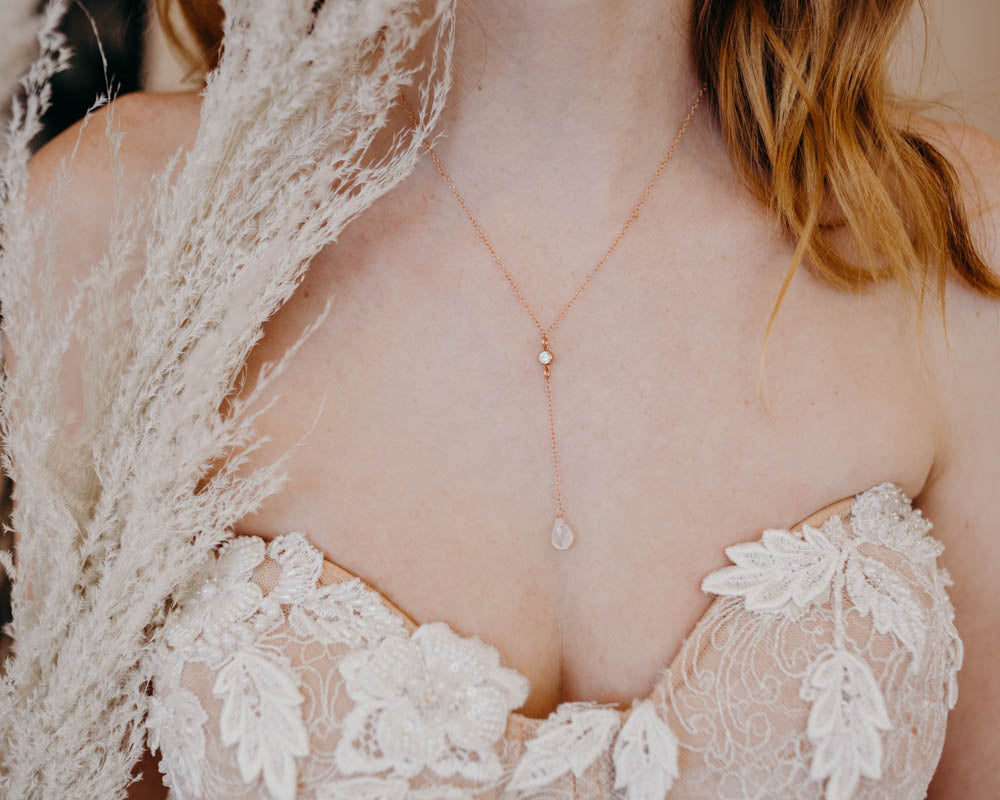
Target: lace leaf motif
(877,589)
(781,571)
(344,612)
(645,754)
(847,713)
(176,727)
(956,650)
(261,715)
(570,739)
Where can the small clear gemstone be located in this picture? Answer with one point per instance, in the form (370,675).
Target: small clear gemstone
(545,357)
(562,534)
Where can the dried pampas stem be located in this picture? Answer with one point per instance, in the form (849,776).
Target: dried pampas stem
(116,521)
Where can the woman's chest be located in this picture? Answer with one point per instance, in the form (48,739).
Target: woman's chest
(425,462)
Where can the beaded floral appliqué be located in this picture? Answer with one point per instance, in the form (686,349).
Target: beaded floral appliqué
(434,699)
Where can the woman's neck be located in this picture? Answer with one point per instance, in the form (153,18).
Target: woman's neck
(565,97)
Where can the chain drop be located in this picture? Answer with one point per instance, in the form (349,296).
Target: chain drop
(562,534)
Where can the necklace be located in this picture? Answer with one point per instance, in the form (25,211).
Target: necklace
(562,533)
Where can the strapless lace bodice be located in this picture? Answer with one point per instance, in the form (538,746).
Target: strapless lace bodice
(824,668)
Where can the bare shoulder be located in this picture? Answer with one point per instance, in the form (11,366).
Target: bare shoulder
(967,358)
(155,124)
(154,127)
(76,171)
(960,497)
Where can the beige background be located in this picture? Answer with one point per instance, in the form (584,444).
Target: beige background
(963,59)
(962,68)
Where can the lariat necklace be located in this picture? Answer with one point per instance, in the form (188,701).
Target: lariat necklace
(562,533)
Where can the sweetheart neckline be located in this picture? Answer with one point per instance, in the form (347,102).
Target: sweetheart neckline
(529,725)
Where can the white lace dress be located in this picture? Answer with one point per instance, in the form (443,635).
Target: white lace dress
(825,668)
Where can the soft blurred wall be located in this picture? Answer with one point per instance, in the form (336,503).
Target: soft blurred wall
(962,67)
(163,70)
(963,60)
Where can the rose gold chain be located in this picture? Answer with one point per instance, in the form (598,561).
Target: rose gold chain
(546,331)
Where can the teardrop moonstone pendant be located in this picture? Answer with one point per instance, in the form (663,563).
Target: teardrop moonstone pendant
(562,534)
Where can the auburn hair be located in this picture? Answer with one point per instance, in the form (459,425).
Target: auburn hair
(203,21)
(800,92)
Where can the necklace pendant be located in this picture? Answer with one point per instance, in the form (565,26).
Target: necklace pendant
(562,534)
